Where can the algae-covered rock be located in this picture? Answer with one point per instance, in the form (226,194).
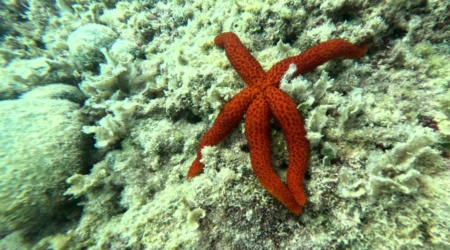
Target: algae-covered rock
(21,74)
(86,41)
(56,91)
(41,145)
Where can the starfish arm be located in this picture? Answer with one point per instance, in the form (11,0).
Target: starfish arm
(240,58)
(228,118)
(285,112)
(257,128)
(314,57)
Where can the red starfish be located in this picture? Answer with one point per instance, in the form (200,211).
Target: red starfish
(263,99)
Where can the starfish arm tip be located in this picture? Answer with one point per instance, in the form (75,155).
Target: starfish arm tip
(364,46)
(195,169)
(296,210)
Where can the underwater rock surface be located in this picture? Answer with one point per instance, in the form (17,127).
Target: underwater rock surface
(41,145)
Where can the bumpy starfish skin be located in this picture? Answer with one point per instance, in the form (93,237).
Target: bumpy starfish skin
(263,99)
